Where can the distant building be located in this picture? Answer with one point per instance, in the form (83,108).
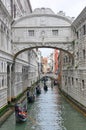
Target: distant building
(44,65)
(56,61)
(50,63)
(39,55)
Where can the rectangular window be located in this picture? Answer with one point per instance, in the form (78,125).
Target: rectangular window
(84,53)
(31,32)
(55,32)
(77,34)
(76,81)
(84,29)
(69,80)
(83,84)
(72,81)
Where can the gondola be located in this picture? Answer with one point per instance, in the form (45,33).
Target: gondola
(45,88)
(38,90)
(20,113)
(31,99)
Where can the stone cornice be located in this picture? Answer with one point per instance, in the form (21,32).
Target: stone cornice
(6,55)
(80,19)
(33,27)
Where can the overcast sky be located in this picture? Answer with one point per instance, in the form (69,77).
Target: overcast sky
(71,8)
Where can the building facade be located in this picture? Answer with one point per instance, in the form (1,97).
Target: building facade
(74,69)
(44,65)
(13,83)
(51,63)
(56,61)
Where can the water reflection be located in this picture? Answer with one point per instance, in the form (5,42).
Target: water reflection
(50,111)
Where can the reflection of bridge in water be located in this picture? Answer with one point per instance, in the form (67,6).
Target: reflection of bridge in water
(50,75)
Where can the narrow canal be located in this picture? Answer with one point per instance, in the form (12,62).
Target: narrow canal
(50,111)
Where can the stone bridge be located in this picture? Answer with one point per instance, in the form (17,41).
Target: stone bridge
(50,75)
(42,29)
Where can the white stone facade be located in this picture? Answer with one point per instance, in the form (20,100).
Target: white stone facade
(5,52)
(74,71)
(12,83)
(21,8)
(42,29)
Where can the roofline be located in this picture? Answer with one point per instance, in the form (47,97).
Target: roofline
(80,18)
(39,15)
(29,3)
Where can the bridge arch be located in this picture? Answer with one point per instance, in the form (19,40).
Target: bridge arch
(40,29)
(27,49)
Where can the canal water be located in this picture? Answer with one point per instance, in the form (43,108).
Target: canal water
(50,111)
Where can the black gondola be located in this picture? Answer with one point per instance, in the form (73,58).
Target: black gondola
(38,90)
(45,87)
(31,98)
(20,113)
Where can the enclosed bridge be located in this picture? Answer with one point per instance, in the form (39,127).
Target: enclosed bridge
(42,29)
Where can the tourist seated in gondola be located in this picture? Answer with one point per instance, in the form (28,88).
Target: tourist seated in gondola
(38,90)
(20,113)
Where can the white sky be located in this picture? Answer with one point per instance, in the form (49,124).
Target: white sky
(71,8)
(46,51)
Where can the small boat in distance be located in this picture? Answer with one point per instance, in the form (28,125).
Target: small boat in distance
(30,97)
(38,90)
(45,87)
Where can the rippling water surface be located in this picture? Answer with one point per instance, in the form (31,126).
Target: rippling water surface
(50,111)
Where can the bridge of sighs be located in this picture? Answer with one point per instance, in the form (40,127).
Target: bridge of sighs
(42,29)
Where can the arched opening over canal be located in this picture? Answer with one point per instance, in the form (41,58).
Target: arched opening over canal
(38,47)
(24,73)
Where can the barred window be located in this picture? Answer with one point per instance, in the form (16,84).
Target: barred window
(55,32)
(31,32)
